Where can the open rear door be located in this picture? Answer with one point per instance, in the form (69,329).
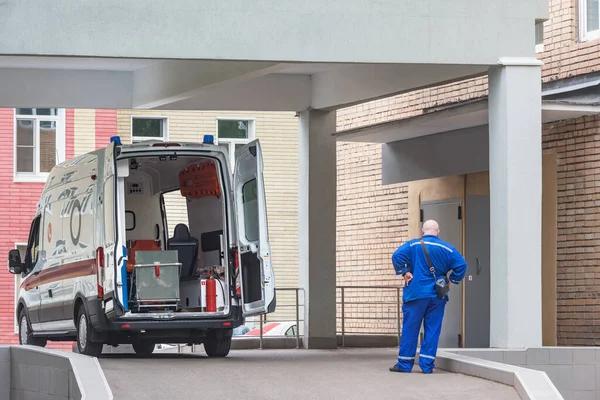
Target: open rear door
(254,250)
(111,277)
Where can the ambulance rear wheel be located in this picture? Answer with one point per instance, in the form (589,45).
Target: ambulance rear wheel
(143,349)
(218,343)
(84,336)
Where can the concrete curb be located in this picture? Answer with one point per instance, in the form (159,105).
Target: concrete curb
(529,384)
(36,372)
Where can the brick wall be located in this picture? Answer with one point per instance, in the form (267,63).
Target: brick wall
(372,221)
(564,56)
(360,250)
(69,134)
(106,127)
(18,202)
(577,144)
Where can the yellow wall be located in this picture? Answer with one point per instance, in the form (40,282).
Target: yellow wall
(85,131)
(278,135)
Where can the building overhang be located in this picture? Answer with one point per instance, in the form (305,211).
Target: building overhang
(558,103)
(253,56)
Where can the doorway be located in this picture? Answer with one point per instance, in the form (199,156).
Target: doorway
(477,278)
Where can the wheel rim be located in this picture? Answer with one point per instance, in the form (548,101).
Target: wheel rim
(82,332)
(24,328)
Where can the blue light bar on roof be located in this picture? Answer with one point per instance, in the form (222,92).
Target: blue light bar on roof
(209,139)
(116,139)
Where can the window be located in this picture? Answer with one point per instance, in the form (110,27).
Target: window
(250,201)
(149,128)
(39,142)
(176,210)
(539,37)
(22,247)
(233,134)
(291,331)
(589,19)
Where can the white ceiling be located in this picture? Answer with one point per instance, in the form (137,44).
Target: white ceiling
(85,82)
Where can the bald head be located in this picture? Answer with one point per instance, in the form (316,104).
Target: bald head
(431,227)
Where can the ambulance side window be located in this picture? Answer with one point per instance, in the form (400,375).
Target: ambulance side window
(33,245)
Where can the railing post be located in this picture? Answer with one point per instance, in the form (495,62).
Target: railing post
(297,318)
(261,331)
(398,314)
(343,320)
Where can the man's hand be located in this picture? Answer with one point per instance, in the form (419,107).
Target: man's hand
(408,277)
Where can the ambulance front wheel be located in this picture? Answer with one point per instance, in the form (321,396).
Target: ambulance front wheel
(218,343)
(25,333)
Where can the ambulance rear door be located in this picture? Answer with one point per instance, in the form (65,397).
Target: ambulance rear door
(254,251)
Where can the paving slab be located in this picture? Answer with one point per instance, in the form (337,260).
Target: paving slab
(287,374)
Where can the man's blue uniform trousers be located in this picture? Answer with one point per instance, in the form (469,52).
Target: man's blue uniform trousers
(430,311)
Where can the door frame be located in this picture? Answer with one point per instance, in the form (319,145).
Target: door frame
(461,203)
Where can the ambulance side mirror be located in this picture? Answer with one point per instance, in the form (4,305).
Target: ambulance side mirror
(15,266)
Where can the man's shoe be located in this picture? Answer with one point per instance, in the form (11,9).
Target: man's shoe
(395,368)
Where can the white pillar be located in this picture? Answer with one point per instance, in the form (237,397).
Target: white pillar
(316,226)
(515,203)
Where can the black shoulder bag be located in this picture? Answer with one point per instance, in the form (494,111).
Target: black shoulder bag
(441,287)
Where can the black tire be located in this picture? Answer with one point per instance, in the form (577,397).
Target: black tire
(26,334)
(85,345)
(143,348)
(218,343)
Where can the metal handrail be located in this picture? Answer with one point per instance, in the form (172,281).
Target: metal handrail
(344,302)
(296,304)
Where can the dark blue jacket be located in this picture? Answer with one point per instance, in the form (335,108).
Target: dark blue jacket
(445,259)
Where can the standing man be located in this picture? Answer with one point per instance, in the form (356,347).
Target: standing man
(422,262)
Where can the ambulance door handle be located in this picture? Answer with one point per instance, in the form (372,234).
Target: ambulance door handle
(50,293)
(478,265)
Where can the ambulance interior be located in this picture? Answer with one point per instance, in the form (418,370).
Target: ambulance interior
(175,213)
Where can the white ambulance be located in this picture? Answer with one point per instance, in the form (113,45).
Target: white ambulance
(104,265)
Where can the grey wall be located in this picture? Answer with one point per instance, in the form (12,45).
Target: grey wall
(33,373)
(575,371)
(427,31)
(36,375)
(444,154)
(4,372)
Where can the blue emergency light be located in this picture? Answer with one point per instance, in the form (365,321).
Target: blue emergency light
(209,139)
(116,139)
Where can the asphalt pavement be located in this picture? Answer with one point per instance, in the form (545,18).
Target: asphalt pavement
(287,374)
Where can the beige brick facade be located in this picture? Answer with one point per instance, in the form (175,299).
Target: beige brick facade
(577,145)
(85,131)
(365,239)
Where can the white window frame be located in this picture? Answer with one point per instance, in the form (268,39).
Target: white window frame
(539,47)
(17,288)
(232,142)
(136,139)
(36,175)
(584,35)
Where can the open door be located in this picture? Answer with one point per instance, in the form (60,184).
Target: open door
(111,278)
(254,250)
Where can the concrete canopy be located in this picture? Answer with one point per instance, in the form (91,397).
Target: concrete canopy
(237,55)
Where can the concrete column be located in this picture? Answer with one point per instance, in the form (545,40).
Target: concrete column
(515,203)
(316,226)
